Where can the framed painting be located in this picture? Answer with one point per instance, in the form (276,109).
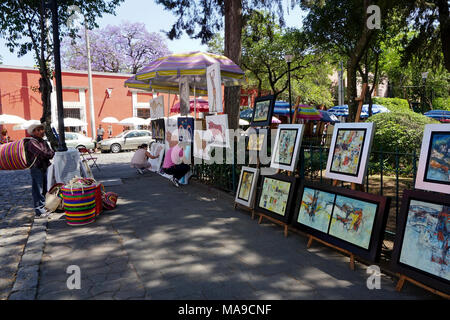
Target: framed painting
(186,129)
(351,220)
(158,129)
(433,172)
(214,84)
(421,249)
(287,146)
(218,127)
(156,149)
(157,108)
(257,139)
(276,197)
(263,111)
(349,152)
(247,187)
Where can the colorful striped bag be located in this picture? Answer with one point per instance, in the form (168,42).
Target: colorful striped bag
(13,155)
(80,204)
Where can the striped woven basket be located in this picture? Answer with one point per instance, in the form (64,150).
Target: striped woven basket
(13,155)
(79,204)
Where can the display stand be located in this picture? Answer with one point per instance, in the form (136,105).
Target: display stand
(351,255)
(284,225)
(404,278)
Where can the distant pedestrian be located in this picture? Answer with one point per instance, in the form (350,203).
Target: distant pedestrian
(39,149)
(100,133)
(4,138)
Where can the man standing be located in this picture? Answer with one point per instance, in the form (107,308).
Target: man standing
(100,134)
(38,149)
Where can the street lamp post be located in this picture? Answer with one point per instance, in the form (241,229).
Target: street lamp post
(288,59)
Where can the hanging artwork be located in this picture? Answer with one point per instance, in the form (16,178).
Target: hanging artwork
(287,147)
(185,129)
(201,147)
(276,196)
(434,165)
(185,107)
(349,152)
(156,149)
(213,79)
(218,127)
(421,249)
(247,187)
(158,129)
(257,139)
(263,111)
(351,220)
(157,108)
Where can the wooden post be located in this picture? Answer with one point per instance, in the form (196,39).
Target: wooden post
(361,101)
(404,278)
(297,102)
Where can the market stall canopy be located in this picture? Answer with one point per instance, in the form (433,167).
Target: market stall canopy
(72,122)
(440,115)
(163,87)
(110,120)
(134,121)
(11,119)
(25,125)
(328,117)
(307,112)
(192,65)
(202,106)
(342,111)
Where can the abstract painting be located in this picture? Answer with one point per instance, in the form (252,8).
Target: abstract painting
(158,129)
(218,127)
(185,129)
(213,79)
(263,111)
(349,152)
(247,186)
(257,140)
(353,221)
(421,249)
(287,147)
(434,165)
(275,195)
(316,209)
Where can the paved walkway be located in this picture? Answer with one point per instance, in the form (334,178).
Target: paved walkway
(188,243)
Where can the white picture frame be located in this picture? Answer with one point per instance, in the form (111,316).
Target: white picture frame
(156,148)
(247,198)
(213,80)
(157,108)
(287,160)
(218,127)
(350,164)
(201,147)
(432,177)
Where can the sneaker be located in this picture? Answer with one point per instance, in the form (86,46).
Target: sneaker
(44,215)
(175,182)
(140,171)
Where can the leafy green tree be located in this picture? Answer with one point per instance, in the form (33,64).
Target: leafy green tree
(24,27)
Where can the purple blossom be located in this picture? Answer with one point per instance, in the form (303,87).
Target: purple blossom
(125,48)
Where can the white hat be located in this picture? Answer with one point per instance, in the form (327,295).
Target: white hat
(33,126)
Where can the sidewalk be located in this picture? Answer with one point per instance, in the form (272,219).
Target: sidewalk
(189,243)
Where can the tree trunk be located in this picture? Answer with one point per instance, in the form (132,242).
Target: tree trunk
(444,21)
(233,46)
(45,89)
(351,89)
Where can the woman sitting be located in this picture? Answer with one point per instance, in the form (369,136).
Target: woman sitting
(173,162)
(140,159)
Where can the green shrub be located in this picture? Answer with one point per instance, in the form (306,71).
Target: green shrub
(393,104)
(441,104)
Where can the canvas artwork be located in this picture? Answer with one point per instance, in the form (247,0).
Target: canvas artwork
(257,140)
(185,107)
(246,185)
(213,79)
(287,146)
(185,129)
(353,221)
(316,209)
(218,127)
(347,153)
(263,111)
(275,195)
(433,172)
(157,108)
(156,149)
(425,241)
(201,147)
(158,129)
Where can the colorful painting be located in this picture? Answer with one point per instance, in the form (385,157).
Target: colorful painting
(218,127)
(213,79)
(347,152)
(263,111)
(353,221)
(185,129)
(438,164)
(275,195)
(158,129)
(246,185)
(426,238)
(256,141)
(285,146)
(316,209)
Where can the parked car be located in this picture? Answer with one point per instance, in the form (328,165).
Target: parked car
(77,140)
(127,140)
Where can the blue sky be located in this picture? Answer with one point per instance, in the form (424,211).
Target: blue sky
(155,18)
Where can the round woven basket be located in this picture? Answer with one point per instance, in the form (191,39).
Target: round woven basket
(79,205)
(13,156)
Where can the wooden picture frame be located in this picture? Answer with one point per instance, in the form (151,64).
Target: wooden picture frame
(289,138)
(265,201)
(263,111)
(421,247)
(245,194)
(349,152)
(434,163)
(343,218)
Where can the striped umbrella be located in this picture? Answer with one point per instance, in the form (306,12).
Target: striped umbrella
(308,113)
(162,86)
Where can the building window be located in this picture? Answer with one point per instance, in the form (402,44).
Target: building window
(72,113)
(143,113)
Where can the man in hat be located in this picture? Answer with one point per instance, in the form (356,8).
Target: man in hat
(38,149)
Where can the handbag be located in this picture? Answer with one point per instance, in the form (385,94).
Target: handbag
(110,200)
(53,200)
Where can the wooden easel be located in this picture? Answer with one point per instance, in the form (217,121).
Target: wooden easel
(284,225)
(404,278)
(252,211)
(352,256)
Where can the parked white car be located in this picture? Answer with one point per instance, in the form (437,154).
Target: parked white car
(77,140)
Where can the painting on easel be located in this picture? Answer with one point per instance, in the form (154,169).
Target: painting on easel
(316,209)
(421,248)
(433,172)
(287,147)
(247,187)
(263,111)
(349,152)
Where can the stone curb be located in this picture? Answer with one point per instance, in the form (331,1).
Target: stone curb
(27,279)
